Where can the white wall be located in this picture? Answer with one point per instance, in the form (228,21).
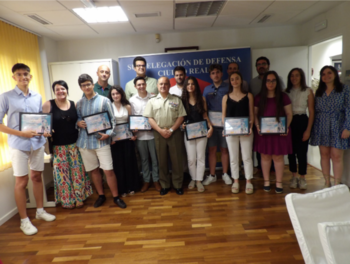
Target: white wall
(269,37)
(7,196)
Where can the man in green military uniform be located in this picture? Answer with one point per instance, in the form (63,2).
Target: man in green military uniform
(165,113)
(102,87)
(140,65)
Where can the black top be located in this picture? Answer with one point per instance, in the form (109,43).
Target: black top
(237,109)
(64,124)
(193,116)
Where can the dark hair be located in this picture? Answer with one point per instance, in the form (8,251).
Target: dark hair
(180,68)
(302,80)
(278,96)
(120,90)
(197,94)
(84,78)
(139,78)
(230,87)
(338,86)
(215,67)
(20,66)
(60,82)
(139,58)
(262,58)
(233,63)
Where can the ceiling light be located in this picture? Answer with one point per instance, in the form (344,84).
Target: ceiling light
(101,14)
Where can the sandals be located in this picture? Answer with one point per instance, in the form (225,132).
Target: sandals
(192,184)
(235,187)
(327,181)
(278,189)
(249,189)
(200,187)
(267,188)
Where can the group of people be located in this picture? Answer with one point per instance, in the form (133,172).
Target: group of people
(75,152)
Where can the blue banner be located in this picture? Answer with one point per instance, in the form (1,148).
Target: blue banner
(196,64)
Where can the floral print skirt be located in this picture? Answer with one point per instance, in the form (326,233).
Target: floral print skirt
(72,182)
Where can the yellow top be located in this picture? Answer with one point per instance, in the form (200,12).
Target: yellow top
(165,111)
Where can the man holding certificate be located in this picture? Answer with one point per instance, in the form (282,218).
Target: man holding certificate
(165,113)
(95,148)
(25,146)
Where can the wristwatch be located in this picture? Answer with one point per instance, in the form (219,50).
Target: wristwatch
(171,130)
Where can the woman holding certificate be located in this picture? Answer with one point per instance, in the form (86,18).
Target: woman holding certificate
(302,98)
(196,108)
(123,151)
(273,109)
(238,118)
(71,182)
(331,128)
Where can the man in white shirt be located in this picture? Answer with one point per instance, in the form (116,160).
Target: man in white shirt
(145,139)
(180,76)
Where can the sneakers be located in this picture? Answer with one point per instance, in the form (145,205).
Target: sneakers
(209,180)
(294,182)
(226,178)
(45,216)
(28,228)
(302,184)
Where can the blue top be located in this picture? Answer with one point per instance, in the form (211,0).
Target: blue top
(95,105)
(332,116)
(214,102)
(11,104)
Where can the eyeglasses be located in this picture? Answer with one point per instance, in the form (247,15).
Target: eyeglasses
(141,66)
(271,81)
(64,117)
(86,85)
(215,91)
(261,64)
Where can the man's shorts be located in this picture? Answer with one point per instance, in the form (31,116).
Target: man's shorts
(94,158)
(21,158)
(217,139)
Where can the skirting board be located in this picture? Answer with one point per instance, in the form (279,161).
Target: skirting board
(7,216)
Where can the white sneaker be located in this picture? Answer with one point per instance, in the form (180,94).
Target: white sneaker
(209,180)
(226,178)
(28,228)
(45,216)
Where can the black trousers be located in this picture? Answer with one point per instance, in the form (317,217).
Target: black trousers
(298,127)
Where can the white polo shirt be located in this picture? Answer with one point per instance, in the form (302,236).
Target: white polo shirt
(175,90)
(138,105)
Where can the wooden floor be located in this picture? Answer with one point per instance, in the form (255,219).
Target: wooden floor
(211,227)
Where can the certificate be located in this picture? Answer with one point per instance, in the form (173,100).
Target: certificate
(215,118)
(97,122)
(38,122)
(270,125)
(122,132)
(196,130)
(235,126)
(138,122)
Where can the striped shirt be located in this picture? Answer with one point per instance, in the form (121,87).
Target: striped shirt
(87,107)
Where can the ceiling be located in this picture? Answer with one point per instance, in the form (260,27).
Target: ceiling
(234,14)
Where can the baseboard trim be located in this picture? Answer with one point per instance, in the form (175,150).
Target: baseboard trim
(7,216)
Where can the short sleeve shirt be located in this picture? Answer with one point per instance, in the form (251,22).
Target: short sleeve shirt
(214,100)
(165,111)
(104,92)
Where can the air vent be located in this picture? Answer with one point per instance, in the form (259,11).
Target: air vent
(143,15)
(264,18)
(39,19)
(211,8)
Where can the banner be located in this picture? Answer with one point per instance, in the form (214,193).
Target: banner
(196,64)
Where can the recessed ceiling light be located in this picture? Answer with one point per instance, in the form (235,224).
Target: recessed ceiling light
(101,14)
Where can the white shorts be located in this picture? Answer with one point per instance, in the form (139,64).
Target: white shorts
(94,158)
(20,160)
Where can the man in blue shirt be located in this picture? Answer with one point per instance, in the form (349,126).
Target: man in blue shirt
(213,94)
(25,146)
(95,148)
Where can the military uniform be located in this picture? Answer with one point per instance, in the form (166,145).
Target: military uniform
(165,112)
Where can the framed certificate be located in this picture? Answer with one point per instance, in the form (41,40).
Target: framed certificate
(215,118)
(270,125)
(138,122)
(122,132)
(38,122)
(196,130)
(97,122)
(235,126)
